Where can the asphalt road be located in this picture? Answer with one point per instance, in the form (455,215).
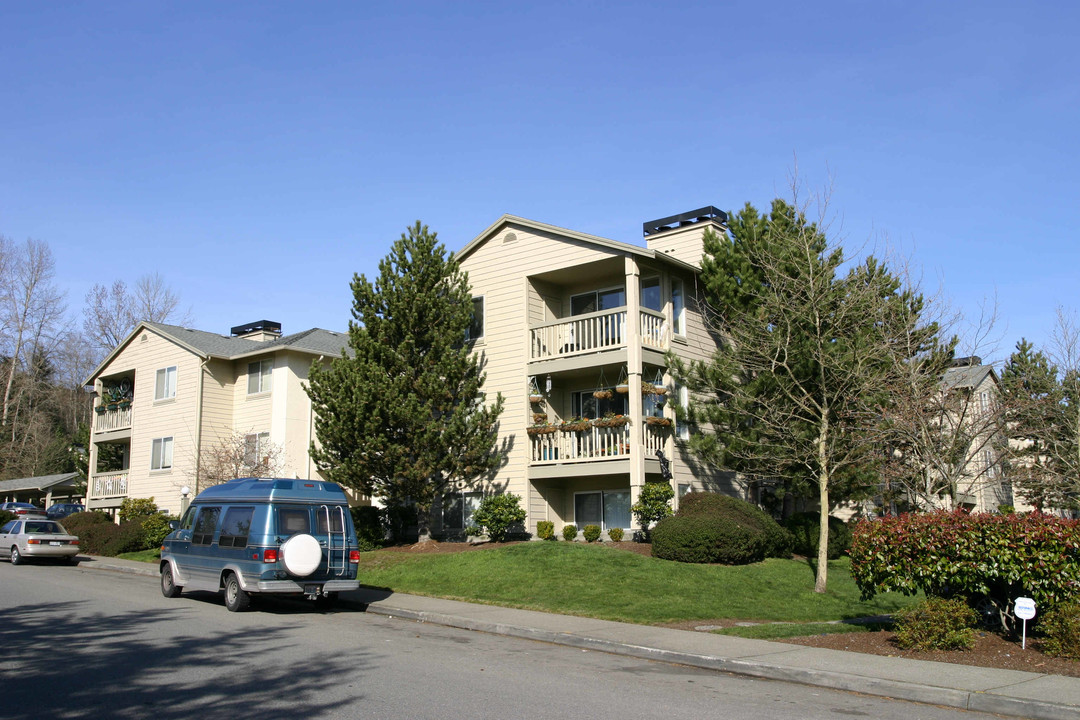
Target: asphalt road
(88,644)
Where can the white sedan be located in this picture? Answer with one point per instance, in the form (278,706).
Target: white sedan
(23,539)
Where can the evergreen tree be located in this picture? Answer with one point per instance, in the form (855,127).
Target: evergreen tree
(804,356)
(402,412)
(1035,410)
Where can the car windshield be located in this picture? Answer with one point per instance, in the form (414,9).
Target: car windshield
(43,528)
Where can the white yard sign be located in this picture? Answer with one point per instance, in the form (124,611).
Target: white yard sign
(1024,608)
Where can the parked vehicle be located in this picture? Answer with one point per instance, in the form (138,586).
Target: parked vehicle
(62,510)
(263,535)
(23,509)
(21,540)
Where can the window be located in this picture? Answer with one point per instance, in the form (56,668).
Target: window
(259,375)
(476,322)
(608,509)
(458,509)
(597,300)
(678,307)
(989,464)
(205,524)
(293,520)
(984,402)
(684,488)
(236,526)
(161,453)
(165,383)
(585,405)
(9,526)
(650,294)
(257,450)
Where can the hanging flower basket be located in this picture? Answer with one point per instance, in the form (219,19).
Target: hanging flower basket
(602,394)
(623,386)
(659,390)
(576,425)
(100,409)
(541,429)
(658,421)
(536,398)
(622,389)
(647,388)
(539,418)
(611,420)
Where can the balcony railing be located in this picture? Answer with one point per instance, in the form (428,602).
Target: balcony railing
(114,484)
(581,334)
(111,420)
(597,443)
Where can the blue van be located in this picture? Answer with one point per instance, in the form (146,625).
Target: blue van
(263,535)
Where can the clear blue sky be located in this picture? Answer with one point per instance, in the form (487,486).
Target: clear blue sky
(256,155)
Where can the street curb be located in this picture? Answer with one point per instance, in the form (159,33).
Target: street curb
(898,690)
(96,563)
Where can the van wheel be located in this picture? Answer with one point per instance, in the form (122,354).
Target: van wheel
(236,599)
(169,588)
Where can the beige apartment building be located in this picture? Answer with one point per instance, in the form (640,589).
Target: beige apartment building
(574,327)
(169,394)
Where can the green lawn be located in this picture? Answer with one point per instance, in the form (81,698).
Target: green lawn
(604,582)
(147,556)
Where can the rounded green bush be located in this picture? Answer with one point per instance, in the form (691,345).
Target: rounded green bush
(1061,626)
(805,530)
(591,533)
(616,534)
(129,537)
(936,624)
(135,508)
(94,538)
(155,528)
(6,516)
(569,532)
(706,539)
(497,514)
(778,541)
(545,530)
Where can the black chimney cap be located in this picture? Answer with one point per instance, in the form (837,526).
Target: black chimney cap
(687,218)
(265,325)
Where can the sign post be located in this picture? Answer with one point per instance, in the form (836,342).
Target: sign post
(1025,610)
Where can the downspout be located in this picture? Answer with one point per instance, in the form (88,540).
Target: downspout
(311,427)
(198,424)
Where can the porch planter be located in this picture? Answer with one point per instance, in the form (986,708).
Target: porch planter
(541,429)
(622,389)
(658,421)
(579,426)
(536,398)
(602,394)
(613,421)
(99,409)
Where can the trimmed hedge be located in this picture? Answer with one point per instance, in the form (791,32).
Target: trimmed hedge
(998,557)
(76,523)
(591,533)
(497,514)
(545,530)
(778,541)
(936,624)
(805,530)
(706,539)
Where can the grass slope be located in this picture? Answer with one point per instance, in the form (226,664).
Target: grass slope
(602,582)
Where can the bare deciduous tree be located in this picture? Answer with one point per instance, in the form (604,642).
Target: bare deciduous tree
(112,312)
(238,455)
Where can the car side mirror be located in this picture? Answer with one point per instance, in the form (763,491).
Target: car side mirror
(174,524)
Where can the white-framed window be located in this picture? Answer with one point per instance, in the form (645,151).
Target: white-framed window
(583,404)
(606,508)
(989,464)
(650,294)
(161,452)
(256,449)
(678,307)
(597,300)
(682,428)
(165,383)
(458,509)
(984,402)
(475,330)
(260,374)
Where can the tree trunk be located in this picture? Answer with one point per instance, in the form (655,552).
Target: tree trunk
(822,581)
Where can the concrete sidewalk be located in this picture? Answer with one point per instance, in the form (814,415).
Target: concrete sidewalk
(1007,692)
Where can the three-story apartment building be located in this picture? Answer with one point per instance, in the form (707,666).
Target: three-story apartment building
(167,394)
(574,327)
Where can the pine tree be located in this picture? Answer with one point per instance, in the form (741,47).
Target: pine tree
(1035,411)
(402,413)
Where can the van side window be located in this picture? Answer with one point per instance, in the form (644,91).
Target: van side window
(188,519)
(205,525)
(235,527)
(293,521)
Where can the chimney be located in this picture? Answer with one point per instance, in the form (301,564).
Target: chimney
(681,235)
(260,331)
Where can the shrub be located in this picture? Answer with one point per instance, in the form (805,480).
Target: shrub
(155,528)
(616,534)
(999,557)
(569,532)
(400,520)
(653,505)
(94,538)
(1061,626)
(129,537)
(805,530)
(706,539)
(591,533)
(936,624)
(370,525)
(77,523)
(545,530)
(5,516)
(498,513)
(777,540)
(135,508)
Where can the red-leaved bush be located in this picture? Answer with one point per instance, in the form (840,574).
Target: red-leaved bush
(997,557)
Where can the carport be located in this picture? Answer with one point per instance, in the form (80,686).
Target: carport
(43,490)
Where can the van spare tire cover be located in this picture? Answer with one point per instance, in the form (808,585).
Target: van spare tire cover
(301,555)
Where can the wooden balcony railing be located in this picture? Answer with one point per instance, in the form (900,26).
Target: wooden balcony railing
(596,443)
(113,484)
(111,420)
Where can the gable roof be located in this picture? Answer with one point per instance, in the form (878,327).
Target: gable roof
(315,341)
(968,376)
(42,482)
(537,226)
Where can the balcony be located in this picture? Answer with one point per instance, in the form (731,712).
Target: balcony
(595,332)
(553,446)
(112,420)
(110,485)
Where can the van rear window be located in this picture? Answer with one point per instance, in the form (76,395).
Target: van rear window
(335,521)
(291,522)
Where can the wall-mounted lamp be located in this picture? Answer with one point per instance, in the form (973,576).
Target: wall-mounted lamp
(547,385)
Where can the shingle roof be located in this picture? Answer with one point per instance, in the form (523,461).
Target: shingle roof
(41,482)
(968,376)
(315,340)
